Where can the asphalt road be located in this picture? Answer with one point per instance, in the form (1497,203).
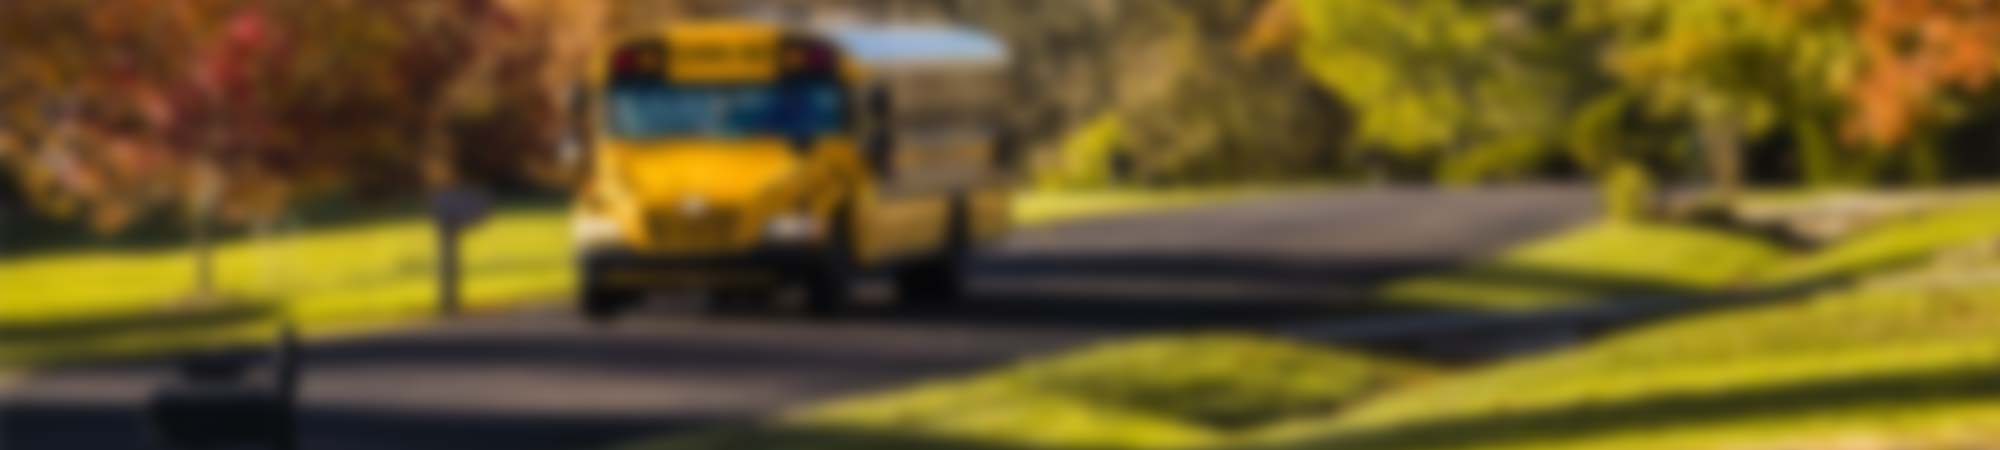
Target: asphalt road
(544,379)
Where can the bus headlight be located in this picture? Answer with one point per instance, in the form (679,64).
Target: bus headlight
(791,228)
(594,230)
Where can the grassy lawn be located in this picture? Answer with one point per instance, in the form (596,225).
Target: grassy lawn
(1610,260)
(329,280)
(1909,363)
(1899,242)
(354,277)
(1882,366)
(1044,207)
(1592,263)
(1170,392)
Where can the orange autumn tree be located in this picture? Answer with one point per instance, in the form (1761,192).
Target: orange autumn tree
(1920,56)
(229,109)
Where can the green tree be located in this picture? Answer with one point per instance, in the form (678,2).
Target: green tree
(1730,71)
(1484,86)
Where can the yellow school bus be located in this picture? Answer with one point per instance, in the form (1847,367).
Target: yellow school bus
(745,161)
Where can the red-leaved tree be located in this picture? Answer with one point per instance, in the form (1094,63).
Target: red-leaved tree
(229,109)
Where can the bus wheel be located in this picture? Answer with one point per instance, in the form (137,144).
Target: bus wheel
(601,305)
(740,300)
(938,282)
(830,285)
(828,290)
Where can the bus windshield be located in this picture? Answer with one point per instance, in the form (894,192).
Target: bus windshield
(661,110)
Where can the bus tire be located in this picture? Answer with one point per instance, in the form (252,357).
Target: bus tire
(934,283)
(828,292)
(830,286)
(603,305)
(940,280)
(735,301)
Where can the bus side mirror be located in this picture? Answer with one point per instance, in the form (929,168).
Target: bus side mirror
(880,144)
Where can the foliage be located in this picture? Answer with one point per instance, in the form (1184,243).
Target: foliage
(1598,262)
(240,104)
(1921,57)
(1086,158)
(1192,108)
(1477,82)
(1446,77)
(1628,193)
(1730,71)
(1164,392)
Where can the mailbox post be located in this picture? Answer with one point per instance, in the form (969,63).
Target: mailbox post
(455,211)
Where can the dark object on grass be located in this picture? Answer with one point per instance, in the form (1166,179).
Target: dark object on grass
(455,211)
(218,403)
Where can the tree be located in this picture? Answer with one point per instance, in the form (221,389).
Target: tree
(1730,70)
(1483,85)
(229,109)
(1919,56)
(1879,74)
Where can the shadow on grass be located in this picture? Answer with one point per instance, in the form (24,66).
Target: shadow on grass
(1606,287)
(232,313)
(38,425)
(31,344)
(1880,393)
(821,438)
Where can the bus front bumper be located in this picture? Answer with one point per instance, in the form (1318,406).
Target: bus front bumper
(758,268)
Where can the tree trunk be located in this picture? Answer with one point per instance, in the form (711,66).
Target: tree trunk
(201,215)
(1722,150)
(204,263)
(448,268)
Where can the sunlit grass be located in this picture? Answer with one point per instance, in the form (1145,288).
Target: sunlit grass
(1042,207)
(1905,364)
(1908,362)
(381,265)
(327,280)
(1595,262)
(1899,242)
(1169,392)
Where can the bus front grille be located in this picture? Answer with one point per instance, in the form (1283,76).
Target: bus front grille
(678,229)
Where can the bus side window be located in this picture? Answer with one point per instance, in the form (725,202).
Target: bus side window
(880,144)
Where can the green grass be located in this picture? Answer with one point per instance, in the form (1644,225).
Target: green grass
(1592,263)
(1899,242)
(355,278)
(1611,260)
(1912,363)
(1043,207)
(1170,392)
(328,280)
